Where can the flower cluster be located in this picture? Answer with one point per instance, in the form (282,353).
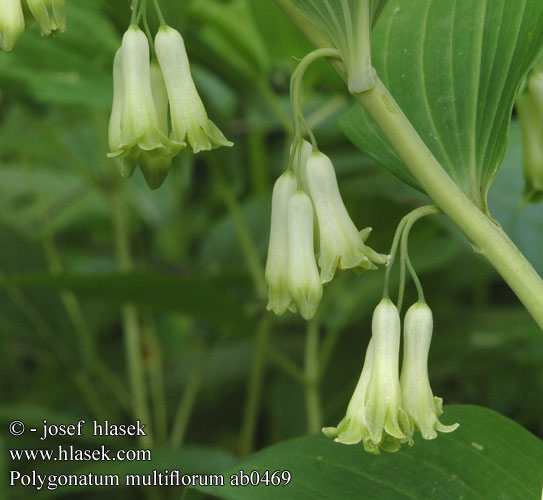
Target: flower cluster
(306,201)
(386,409)
(144,89)
(16,15)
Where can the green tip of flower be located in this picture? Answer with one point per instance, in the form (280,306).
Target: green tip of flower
(307,305)
(278,302)
(154,169)
(126,167)
(206,136)
(50,15)
(530,195)
(330,432)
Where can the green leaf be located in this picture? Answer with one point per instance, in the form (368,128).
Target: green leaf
(211,299)
(344,25)
(454,68)
(488,457)
(326,13)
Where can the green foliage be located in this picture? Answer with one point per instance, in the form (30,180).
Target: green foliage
(455,79)
(197,246)
(488,457)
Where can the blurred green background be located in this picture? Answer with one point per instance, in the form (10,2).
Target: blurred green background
(197,249)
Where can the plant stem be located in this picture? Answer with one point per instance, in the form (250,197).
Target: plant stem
(312,378)
(156,379)
(82,330)
(410,219)
(89,359)
(244,236)
(488,237)
(254,388)
(274,104)
(258,157)
(161,19)
(296,91)
(286,364)
(63,354)
(135,6)
(186,404)
(130,321)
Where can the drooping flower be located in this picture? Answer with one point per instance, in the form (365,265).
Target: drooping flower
(304,284)
(279,298)
(352,429)
(155,167)
(386,420)
(341,244)
(12,23)
(188,115)
(418,400)
(136,129)
(50,15)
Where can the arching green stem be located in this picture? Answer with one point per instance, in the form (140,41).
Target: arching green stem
(400,240)
(161,19)
(411,218)
(393,251)
(487,236)
(296,90)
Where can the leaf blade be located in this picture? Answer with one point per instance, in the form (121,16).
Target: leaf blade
(474,462)
(455,70)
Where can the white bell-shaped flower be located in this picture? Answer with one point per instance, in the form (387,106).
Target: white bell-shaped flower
(300,150)
(155,167)
(341,244)
(138,127)
(352,429)
(12,23)
(304,284)
(383,413)
(188,115)
(50,15)
(279,298)
(417,398)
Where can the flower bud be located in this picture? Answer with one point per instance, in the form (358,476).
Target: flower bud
(383,413)
(341,244)
(279,299)
(417,398)
(530,113)
(188,115)
(50,15)
(12,23)
(303,282)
